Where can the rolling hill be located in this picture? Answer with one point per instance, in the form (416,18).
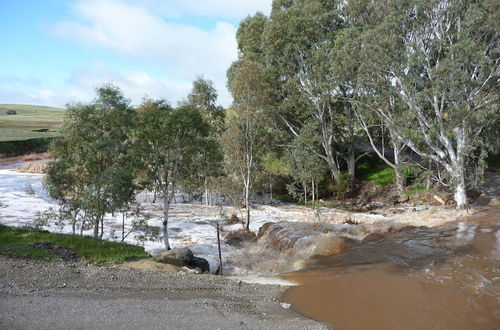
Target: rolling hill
(29,122)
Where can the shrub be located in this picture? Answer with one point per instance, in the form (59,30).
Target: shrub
(11,112)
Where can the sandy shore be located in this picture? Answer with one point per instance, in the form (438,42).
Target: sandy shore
(58,295)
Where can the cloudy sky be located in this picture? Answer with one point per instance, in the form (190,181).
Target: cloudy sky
(57,51)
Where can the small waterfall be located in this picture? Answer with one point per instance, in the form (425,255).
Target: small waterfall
(287,246)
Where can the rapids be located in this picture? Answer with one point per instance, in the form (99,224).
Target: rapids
(446,277)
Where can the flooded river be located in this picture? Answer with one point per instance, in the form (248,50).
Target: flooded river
(446,277)
(414,277)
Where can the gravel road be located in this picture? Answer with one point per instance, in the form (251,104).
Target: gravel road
(77,295)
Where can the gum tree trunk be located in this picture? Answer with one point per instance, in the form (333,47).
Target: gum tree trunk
(166,208)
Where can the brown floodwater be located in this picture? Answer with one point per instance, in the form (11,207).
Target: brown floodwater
(445,277)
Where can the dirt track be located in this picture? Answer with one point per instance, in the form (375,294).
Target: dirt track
(60,295)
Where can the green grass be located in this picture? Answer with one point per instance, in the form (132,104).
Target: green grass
(416,189)
(16,242)
(21,126)
(376,170)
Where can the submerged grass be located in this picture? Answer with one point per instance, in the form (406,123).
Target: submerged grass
(17,242)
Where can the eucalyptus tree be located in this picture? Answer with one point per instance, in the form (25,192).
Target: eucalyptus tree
(92,168)
(168,142)
(203,96)
(371,94)
(244,139)
(303,165)
(442,60)
(300,47)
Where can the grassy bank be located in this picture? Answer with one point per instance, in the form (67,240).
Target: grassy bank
(37,244)
(19,122)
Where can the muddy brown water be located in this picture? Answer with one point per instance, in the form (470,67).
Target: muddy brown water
(445,277)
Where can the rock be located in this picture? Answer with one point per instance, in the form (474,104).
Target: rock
(373,237)
(176,257)
(184,254)
(406,228)
(237,237)
(483,200)
(236,242)
(182,257)
(402,198)
(263,229)
(201,264)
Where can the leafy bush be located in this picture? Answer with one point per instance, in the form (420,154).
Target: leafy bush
(11,112)
(340,188)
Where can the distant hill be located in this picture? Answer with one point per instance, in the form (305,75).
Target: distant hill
(25,121)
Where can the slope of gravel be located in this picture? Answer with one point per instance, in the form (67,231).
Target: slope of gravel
(76,295)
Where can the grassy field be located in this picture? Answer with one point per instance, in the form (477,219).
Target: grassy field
(25,243)
(29,122)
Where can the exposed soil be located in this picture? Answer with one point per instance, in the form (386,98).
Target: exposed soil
(60,251)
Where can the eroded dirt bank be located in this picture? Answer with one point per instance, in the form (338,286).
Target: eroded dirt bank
(60,295)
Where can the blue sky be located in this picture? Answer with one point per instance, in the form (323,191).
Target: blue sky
(57,51)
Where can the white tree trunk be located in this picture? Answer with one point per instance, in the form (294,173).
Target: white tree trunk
(166,208)
(461,196)
(247,203)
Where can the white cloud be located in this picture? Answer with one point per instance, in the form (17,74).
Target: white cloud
(80,87)
(165,34)
(185,51)
(135,85)
(224,9)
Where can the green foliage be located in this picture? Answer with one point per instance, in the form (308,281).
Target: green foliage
(16,242)
(93,165)
(203,97)
(340,186)
(250,37)
(440,59)
(207,168)
(273,165)
(13,148)
(173,147)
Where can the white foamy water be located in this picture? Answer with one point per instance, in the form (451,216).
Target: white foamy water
(193,225)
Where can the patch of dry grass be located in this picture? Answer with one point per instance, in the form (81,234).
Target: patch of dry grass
(35,156)
(36,166)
